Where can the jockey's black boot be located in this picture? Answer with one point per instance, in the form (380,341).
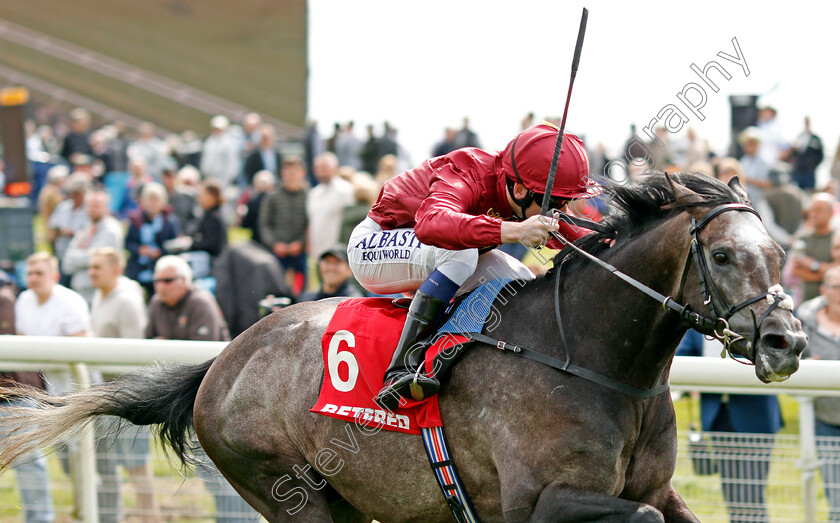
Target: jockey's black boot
(402,378)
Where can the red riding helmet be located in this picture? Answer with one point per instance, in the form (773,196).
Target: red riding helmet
(527,160)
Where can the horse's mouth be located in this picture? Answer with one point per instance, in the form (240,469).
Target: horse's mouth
(769,376)
(777,356)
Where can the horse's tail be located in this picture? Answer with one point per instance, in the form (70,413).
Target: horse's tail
(162,396)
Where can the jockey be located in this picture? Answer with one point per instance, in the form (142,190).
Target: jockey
(434,230)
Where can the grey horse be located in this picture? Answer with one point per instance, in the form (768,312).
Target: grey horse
(531,443)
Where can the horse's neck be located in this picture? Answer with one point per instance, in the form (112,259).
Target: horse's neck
(611,327)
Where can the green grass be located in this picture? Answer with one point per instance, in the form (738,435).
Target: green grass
(252,53)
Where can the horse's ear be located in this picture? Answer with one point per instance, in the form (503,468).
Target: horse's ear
(735,185)
(682,194)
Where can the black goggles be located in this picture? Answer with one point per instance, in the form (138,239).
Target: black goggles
(554,202)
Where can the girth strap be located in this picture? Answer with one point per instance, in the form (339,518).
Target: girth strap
(437,450)
(565,366)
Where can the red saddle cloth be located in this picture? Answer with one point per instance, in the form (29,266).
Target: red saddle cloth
(357,348)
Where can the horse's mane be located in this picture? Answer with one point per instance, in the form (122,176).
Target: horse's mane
(635,206)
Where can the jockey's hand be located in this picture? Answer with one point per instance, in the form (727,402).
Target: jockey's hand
(295,248)
(532,232)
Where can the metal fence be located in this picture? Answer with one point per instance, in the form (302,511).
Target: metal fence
(698,477)
(123,495)
(795,489)
(704,471)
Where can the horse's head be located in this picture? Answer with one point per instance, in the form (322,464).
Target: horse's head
(734,280)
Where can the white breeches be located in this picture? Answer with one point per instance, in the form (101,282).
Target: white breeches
(394,261)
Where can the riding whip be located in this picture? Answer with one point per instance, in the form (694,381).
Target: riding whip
(559,145)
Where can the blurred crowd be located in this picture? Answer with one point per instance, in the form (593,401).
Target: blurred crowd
(171,236)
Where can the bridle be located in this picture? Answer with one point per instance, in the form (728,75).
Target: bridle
(722,313)
(714,327)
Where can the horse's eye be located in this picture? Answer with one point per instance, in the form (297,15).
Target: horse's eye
(720,258)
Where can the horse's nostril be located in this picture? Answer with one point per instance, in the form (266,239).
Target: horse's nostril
(774,341)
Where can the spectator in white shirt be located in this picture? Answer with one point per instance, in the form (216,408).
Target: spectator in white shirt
(49,309)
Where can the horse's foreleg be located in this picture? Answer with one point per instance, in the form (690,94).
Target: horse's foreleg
(562,503)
